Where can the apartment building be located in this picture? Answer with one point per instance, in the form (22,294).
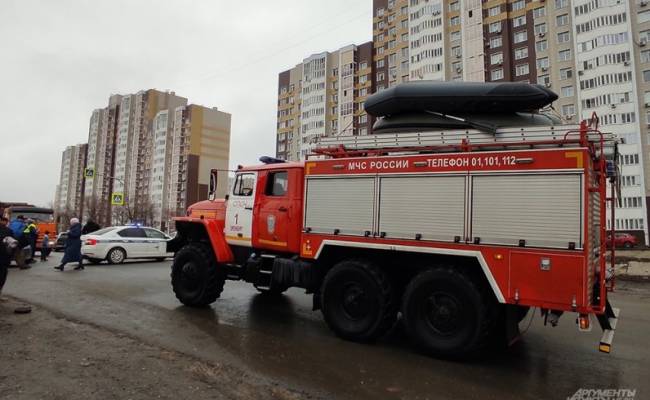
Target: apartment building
(155,150)
(189,141)
(323,96)
(70,191)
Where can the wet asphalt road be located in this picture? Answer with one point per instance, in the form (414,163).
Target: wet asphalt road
(283,340)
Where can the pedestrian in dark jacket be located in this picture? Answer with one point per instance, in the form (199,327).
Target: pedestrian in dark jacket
(90,227)
(5,252)
(17,226)
(72,247)
(45,246)
(31,233)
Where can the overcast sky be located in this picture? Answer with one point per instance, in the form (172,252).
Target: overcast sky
(62,59)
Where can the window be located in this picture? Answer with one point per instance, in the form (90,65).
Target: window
(519,21)
(244,185)
(646,76)
(276,184)
(562,20)
(566,73)
(564,55)
(456,35)
(542,63)
(494,27)
(568,110)
(567,91)
(645,56)
(540,29)
(541,46)
(539,12)
(544,80)
(363,65)
(455,6)
(643,16)
(454,21)
(521,52)
(496,58)
(563,37)
(521,69)
(154,234)
(518,5)
(561,3)
(520,36)
(492,11)
(380,63)
(132,233)
(497,74)
(496,42)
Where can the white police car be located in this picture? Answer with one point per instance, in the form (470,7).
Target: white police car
(117,243)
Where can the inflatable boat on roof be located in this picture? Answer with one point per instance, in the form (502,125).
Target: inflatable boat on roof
(459,98)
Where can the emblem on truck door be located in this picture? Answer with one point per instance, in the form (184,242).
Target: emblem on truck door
(270,223)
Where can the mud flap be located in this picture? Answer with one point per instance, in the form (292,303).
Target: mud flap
(512,317)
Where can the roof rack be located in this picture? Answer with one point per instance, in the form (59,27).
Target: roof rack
(467,140)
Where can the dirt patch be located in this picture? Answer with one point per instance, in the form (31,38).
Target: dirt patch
(46,356)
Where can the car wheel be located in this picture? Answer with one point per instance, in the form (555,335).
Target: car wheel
(627,245)
(116,256)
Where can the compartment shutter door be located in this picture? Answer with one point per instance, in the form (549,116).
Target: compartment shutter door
(431,206)
(543,210)
(345,204)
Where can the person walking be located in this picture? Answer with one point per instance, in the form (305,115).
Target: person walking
(45,246)
(72,247)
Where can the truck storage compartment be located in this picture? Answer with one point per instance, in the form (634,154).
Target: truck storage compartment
(540,210)
(432,207)
(340,205)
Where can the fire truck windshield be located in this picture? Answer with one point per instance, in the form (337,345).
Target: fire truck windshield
(37,214)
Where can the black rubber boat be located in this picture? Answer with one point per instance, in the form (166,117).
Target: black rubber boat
(459,98)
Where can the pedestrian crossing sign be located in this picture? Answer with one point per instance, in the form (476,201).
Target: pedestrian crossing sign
(89,172)
(117,199)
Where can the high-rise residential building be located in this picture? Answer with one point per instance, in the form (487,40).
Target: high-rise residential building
(189,141)
(70,191)
(152,148)
(595,54)
(323,96)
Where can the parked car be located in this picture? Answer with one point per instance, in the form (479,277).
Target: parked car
(118,243)
(59,245)
(621,239)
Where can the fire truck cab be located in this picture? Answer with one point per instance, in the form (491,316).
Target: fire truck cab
(458,227)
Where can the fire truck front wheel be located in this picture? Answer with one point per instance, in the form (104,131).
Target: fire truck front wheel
(197,279)
(358,301)
(446,313)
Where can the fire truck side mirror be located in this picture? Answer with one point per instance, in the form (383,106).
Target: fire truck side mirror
(212,191)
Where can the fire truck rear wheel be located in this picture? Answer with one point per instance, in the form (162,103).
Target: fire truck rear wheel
(197,279)
(358,301)
(446,313)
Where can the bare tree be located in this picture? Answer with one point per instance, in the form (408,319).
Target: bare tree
(91,209)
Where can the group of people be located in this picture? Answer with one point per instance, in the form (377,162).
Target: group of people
(21,234)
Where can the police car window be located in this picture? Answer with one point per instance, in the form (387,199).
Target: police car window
(276,184)
(154,234)
(244,184)
(132,232)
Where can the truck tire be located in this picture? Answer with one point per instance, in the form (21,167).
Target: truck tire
(197,279)
(358,301)
(446,313)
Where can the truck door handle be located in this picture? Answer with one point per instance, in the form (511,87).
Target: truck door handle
(282,209)
(248,208)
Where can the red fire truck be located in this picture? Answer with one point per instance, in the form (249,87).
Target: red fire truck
(461,229)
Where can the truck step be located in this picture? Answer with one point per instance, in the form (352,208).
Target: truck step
(611,315)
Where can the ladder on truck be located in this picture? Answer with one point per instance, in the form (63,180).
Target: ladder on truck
(453,140)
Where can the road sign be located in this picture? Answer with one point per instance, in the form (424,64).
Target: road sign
(89,172)
(117,199)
